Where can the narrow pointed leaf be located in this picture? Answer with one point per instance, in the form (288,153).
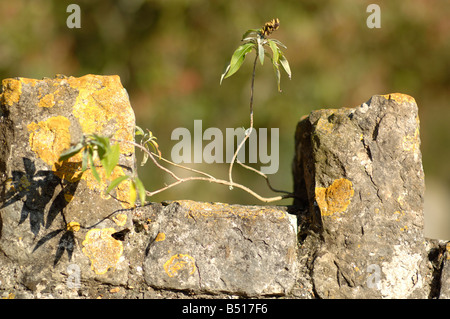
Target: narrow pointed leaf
(70,152)
(111,159)
(116,182)
(248,32)
(278,43)
(138,131)
(133,194)
(285,64)
(278,76)
(93,169)
(275,50)
(260,51)
(237,59)
(84,163)
(140,190)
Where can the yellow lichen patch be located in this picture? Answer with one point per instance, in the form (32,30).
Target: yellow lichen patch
(120,219)
(73,226)
(12,89)
(323,124)
(49,138)
(160,237)
(399,98)
(335,198)
(102,100)
(102,249)
(179,262)
(47,101)
(68,170)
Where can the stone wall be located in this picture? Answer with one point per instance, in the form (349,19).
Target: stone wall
(355,229)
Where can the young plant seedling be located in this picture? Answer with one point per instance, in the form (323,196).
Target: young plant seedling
(256,39)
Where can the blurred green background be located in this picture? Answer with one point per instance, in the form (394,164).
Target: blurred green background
(170,55)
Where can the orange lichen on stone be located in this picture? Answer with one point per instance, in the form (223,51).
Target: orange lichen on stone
(47,101)
(73,226)
(102,100)
(102,249)
(49,138)
(400,98)
(179,262)
(160,237)
(12,89)
(120,219)
(335,198)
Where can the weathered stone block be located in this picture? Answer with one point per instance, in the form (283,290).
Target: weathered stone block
(360,173)
(220,248)
(50,210)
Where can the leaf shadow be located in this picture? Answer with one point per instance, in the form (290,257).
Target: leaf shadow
(36,189)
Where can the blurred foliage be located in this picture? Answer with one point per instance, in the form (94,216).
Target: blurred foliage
(170,55)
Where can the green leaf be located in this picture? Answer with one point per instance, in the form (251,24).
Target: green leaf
(237,59)
(260,50)
(275,50)
(278,43)
(138,130)
(248,32)
(110,159)
(102,143)
(133,194)
(116,182)
(285,64)
(94,170)
(278,76)
(144,159)
(70,152)
(84,163)
(140,189)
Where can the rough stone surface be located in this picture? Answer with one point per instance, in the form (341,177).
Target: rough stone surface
(359,172)
(41,199)
(214,248)
(354,231)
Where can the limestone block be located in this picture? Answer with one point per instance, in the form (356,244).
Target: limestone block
(53,214)
(221,248)
(359,171)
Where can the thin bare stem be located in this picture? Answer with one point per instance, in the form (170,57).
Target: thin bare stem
(179,180)
(263,175)
(249,131)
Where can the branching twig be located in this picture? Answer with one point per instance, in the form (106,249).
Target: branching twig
(208,178)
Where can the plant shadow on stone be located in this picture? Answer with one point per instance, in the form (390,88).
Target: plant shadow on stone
(36,189)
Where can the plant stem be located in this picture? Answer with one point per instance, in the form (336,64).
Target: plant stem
(208,178)
(250,130)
